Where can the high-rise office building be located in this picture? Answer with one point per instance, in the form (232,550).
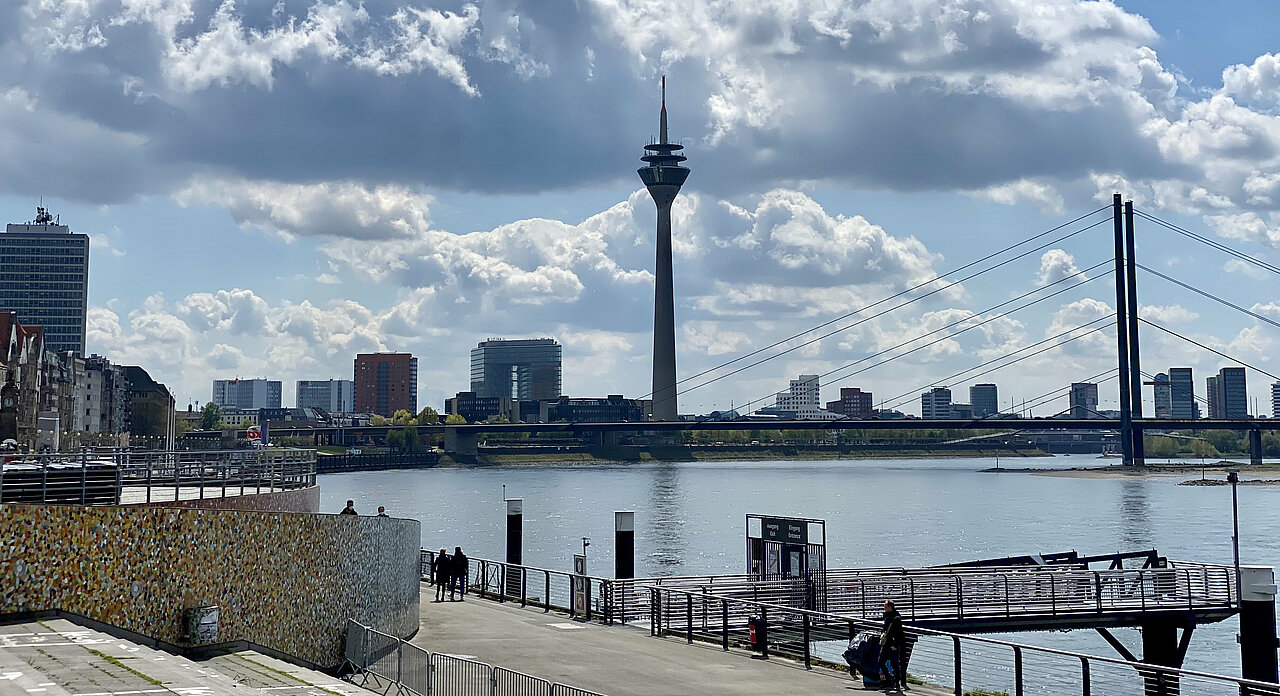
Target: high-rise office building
(1162,392)
(1275,399)
(522,369)
(332,395)
(386,383)
(247,393)
(801,401)
(1182,394)
(44,278)
(853,403)
(1083,400)
(1235,393)
(1213,394)
(985,400)
(935,403)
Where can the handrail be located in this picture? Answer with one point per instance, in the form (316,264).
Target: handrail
(101,477)
(808,617)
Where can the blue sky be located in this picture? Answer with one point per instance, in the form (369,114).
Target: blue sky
(273,187)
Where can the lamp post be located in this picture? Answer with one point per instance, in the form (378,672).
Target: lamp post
(1233,477)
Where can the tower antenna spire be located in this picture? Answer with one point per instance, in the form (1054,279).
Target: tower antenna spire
(663,125)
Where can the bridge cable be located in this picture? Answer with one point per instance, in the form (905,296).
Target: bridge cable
(1211,296)
(1046,397)
(1210,242)
(1211,350)
(908,291)
(973,325)
(900,345)
(909,395)
(1195,397)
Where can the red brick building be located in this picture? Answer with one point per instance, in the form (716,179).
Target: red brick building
(386,383)
(853,403)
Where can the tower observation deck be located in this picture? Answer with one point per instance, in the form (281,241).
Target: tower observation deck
(663,175)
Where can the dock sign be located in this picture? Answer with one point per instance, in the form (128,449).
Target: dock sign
(785,530)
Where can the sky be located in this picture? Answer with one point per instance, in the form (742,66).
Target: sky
(273,187)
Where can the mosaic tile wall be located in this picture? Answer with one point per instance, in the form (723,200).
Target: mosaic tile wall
(286,581)
(293,500)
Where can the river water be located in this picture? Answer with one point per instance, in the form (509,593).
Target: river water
(690,518)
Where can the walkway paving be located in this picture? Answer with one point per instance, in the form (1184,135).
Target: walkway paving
(59,658)
(614,660)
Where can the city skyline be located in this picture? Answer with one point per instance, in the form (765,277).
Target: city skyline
(264,255)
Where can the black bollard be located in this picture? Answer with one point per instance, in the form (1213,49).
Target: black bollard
(515,539)
(1258,624)
(624,544)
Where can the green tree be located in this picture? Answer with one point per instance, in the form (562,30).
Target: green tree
(411,439)
(402,417)
(498,418)
(428,416)
(210,416)
(395,439)
(378,420)
(455,419)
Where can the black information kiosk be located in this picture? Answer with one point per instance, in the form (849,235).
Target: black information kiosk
(789,548)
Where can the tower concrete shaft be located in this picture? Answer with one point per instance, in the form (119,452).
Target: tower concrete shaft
(664,176)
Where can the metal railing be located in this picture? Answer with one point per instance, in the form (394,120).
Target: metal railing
(124,477)
(1046,594)
(540,587)
(925,595)
(388,661)
(960,662)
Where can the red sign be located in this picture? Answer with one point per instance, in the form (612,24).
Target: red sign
(253,433)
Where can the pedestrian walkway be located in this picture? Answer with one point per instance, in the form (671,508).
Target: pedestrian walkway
(56,657)
(614,660)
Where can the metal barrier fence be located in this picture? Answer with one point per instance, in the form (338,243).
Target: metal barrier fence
(125,477)
(962,663)
(385,659)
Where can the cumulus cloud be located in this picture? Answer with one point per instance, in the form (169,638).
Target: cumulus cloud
(340,209)
(1014,101)
(1057,265)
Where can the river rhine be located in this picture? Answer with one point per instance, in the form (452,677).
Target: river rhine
(690,517)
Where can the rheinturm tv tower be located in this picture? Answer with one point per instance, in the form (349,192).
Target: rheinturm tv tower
(664,176)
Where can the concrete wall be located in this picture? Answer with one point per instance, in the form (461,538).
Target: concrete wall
(293,500)
(285,581)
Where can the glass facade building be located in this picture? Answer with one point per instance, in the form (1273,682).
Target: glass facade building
(44,278)
(521,369)
(985,400)
(1182,395)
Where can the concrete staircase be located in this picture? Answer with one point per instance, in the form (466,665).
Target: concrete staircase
(57,657)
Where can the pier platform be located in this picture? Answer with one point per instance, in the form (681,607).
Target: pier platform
(614,660)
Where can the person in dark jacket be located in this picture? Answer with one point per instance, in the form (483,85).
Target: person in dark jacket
(350,509)
(893,647)
(441,570)
(458,573)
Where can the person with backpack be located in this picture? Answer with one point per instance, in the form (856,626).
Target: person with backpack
(441,571)
(893,648)
(458,573)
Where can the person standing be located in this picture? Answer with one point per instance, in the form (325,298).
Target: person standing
(458,573)
(440,573)
(350,509)
(893,647)
(382,511)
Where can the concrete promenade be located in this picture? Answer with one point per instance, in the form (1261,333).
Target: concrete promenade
(613,660)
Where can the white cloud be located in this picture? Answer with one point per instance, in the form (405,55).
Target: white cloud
(1168,314)
(336,209)
(424,39)
(1044,196)
(1258,83)
(1057,265)
(1249,227)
